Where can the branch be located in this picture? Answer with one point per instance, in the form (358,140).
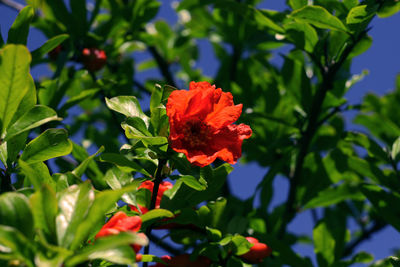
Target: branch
(158,179)
(12,4)
(366,234)
(164,245)
(312,127)
(162,65)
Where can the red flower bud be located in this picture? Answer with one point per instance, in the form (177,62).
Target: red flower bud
(94,59)
(183,261)
(149,185)
(257,252)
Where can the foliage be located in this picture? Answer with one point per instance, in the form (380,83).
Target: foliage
(55,196)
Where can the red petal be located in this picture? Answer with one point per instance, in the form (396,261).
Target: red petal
(129,224)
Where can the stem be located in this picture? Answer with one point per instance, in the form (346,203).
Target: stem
(158,241)
(328,75)
(366,234)
(158,179)
(162,65)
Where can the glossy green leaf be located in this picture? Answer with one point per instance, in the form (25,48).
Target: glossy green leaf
(28,101)
(73,204)
(127,105)
(193,182)
(156,215)
(117,179)
(240,245)
(297,4)
(360,15)
(319,17)
(395,152)
(334,195)
(14,80)
(15,211)
(45,208)
(103,203)
(389,8)
(9,150)
(302,34)
(50,144)
(324,244)
(37,173)
(114,248)
(48,46)
(263,20)
(35,117)
(18,33)
(79,171)
(123,163)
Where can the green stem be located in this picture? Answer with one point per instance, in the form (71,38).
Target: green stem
(157,181)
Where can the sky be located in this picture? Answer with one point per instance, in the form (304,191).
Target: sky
(382,61)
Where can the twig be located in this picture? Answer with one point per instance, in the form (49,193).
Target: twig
(12,4)
(158,179)
(162,65)
(159,242)
(366,234)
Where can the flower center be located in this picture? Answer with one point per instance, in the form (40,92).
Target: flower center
(196,133)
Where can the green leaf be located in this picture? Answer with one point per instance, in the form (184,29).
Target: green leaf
(319,17)
(302,34)
(37,173)
(73,204)
(14,81)
(263,20)
(385,203)
(50,144)
(103,203)
(394,261)
(297,4)
(240,245)
(155,215)
(127,105)
(334,195)
(48,46)
(16,245)
(372,147)
(18,33)
(395,153)
(324,244)
(79,171)
(123,163)
(83,95)
(35,117)
(193,182)
(389,8)
(28,101)
(359,16)
(114,248)
(117,179)
(45,209)
(15,211)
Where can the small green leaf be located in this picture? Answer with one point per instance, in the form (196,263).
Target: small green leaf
(394,261)
(127,105)
(389,8)
(83,95)
(16,245)
(156,215)
(123,163)
(14,81)
(117,179)
(15,211)
(297,4)
(360,15)
(37,173)
(240,245)
(50,144)
(78,171)
(302,34)
(18,33)
(114,248)
(324,245)
(193,182)
(319,17)
(48,46)
(395,153)
(73,204)
(263,20)
(35,117)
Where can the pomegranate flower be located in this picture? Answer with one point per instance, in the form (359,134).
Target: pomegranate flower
(257,252)
(149,185)
(201,124)
(94,59)
(121,222)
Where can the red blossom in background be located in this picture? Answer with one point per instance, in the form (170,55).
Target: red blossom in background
(149,185)
(121,222)
(183,261)
(201,124)
(94,59)
(257,252)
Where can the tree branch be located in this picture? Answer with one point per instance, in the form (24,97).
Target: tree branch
(162,65)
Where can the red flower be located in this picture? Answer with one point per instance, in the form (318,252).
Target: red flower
(149,185)
(201,124)
(94,59)
(257,252)
(183,261)
(120,222)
